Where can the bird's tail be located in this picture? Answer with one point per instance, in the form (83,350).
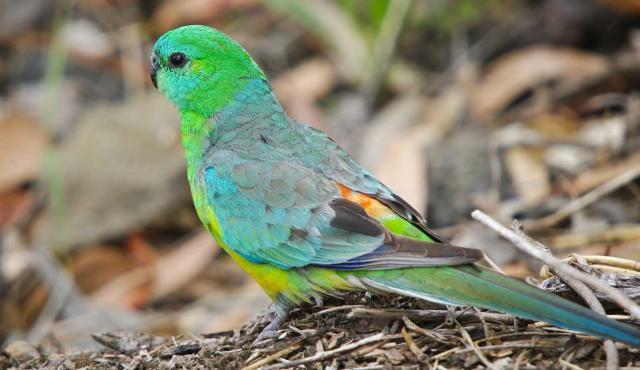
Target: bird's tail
(475,286)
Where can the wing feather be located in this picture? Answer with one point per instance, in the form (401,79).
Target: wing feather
(286,208)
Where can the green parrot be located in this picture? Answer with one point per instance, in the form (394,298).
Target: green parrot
(302,217)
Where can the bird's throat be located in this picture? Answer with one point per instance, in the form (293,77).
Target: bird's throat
(195,129)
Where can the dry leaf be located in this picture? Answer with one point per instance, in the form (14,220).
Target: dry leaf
(597,176)
(529,174)
(404,168)
(172,13)
(185,261)
(394,152)
(299,88)
(169,273)
(22,145)
(311,79)
(556,125)
(513,75)
(95,266)
(14,206)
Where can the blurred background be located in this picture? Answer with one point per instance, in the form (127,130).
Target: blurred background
(524,109)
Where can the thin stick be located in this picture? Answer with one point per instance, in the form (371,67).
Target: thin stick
(268,359)
(413,347)
(585,200)
(394,314)
(474,347)
(321,356)
(339,308)
(582,290)
(523,244)
(493,264)
(569,365)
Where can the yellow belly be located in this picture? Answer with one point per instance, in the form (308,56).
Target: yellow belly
(294,285)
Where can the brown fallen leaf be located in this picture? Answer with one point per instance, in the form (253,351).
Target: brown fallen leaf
(404,168)
(15,206)
(23,143)
(529,174)
(299,88)
(167,274)
(556,125)
(515,75)
(141,249)
(172,13)
(598,175)
(394,152)
(185,261)
(95,266)
(311,79)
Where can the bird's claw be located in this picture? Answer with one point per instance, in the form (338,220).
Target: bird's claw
(271,330)
(266,333)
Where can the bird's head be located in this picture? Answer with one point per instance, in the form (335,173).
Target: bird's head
(200,69)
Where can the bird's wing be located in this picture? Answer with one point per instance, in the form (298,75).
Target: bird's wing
(289,215)
(335,162)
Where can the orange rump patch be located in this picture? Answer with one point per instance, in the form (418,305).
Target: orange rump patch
(371,205)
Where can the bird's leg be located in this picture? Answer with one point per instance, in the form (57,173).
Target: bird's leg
(318,300)
(451,314)
(270,331)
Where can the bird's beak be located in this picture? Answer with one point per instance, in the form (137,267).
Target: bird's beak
(154,70)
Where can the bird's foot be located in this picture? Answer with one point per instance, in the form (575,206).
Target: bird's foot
(451,314)
(318,300)
(271,330)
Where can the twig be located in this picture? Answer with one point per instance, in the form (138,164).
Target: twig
(485,328)
(501,346)
(321,356)
(493,264)
(585,200)
(602,263)
(583,291)
(426,332)
(518,360)
(568,364)
(524,245)
(63,297)
(413,347)
(283,352)
(339,308)
(613,234)
(394,314)
(474,347)
(523,334)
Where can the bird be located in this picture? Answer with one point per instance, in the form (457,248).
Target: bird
(304,219)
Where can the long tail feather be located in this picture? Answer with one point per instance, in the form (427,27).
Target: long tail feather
(475,286)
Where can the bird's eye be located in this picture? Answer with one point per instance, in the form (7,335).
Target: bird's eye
(177,60)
